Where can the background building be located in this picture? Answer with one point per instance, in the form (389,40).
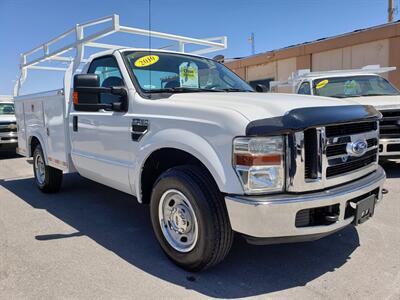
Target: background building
(370,46)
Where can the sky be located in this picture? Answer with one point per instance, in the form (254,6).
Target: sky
(25,24)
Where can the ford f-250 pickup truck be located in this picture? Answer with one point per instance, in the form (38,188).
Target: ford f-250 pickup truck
(364,86)
(211,157)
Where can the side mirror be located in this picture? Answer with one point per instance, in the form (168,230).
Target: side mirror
(86,96)
(87,92)
(219,58)
(261,88)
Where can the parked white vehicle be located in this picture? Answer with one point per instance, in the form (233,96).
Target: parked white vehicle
(364,86)
(211,156)
(8,124)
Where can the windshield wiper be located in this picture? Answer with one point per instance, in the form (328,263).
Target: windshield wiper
(344,96)
(234,90)
(182,90)
(377,94)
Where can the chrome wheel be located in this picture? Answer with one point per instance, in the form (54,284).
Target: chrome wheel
(178,221)
(40,169)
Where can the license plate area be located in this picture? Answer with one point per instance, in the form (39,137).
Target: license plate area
(364,209)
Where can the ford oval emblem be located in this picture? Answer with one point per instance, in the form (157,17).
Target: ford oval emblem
(357,148)
(12,126)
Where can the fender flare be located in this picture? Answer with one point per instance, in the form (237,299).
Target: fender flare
(188,142)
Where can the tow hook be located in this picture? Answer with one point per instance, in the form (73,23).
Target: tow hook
(385,191)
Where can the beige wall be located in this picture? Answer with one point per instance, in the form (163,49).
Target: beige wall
(378,45)
(285,68)
(327,60)
(279,70)
(374,53)
(343,58)
(394,59)
(261,71)
(354,57)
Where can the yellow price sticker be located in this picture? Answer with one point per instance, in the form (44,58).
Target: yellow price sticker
(322,83)
(146,61)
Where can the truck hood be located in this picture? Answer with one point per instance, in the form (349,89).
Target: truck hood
(379,102)
(8,118)
(256,106)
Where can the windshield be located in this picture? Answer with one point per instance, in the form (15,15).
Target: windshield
(6,109)
(353,86)
(158,72)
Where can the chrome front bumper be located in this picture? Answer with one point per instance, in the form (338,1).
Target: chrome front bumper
(385,151)
(273,216)
(8,139)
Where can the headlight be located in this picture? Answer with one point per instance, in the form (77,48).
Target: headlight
(259,163)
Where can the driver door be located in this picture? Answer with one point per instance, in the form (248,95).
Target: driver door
(101,140)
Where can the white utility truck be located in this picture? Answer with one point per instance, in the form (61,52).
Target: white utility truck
(8,124)
(364,86)
(211,157)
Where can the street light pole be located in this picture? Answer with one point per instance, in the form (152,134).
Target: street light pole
(390,11)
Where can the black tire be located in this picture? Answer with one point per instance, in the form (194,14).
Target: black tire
(215,235)
(52,176)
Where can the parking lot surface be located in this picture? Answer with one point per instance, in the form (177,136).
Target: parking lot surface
(90,241)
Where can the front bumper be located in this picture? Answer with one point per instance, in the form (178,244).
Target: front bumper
(272,218)
(389,147)
(8,140)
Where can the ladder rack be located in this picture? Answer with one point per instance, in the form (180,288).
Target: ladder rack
(44,53)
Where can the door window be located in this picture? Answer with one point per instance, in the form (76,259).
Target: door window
(305,88)
(109,74)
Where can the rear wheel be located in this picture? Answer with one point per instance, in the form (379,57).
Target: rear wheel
(48,179)
(190,219)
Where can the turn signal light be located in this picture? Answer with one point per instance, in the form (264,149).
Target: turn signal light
(242,159)
(75,97)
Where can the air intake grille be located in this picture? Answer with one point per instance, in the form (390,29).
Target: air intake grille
(390,124)
(340,149)
(319,159)
(365,160)
(349,129)
(4,127)
(310,153)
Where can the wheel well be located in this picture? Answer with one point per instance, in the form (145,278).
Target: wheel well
(34,142)
(160,161)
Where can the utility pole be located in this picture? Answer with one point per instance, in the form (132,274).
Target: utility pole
(251,41)
(390,10)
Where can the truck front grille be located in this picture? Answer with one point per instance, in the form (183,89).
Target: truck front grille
(349,129)
(358,163)
(340,149)
(310,152)
(321,157)
(5,127)
(389,127)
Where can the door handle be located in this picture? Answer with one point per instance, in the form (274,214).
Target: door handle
(75,123)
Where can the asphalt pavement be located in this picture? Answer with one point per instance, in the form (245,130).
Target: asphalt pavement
(92,242)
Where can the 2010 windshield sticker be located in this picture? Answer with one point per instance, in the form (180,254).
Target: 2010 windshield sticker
(189,75)
(322,83)
(146,61)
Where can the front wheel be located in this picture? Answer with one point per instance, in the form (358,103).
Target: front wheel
(190,219)
(48,179)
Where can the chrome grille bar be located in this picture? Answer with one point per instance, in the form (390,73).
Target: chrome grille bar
(303,176)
